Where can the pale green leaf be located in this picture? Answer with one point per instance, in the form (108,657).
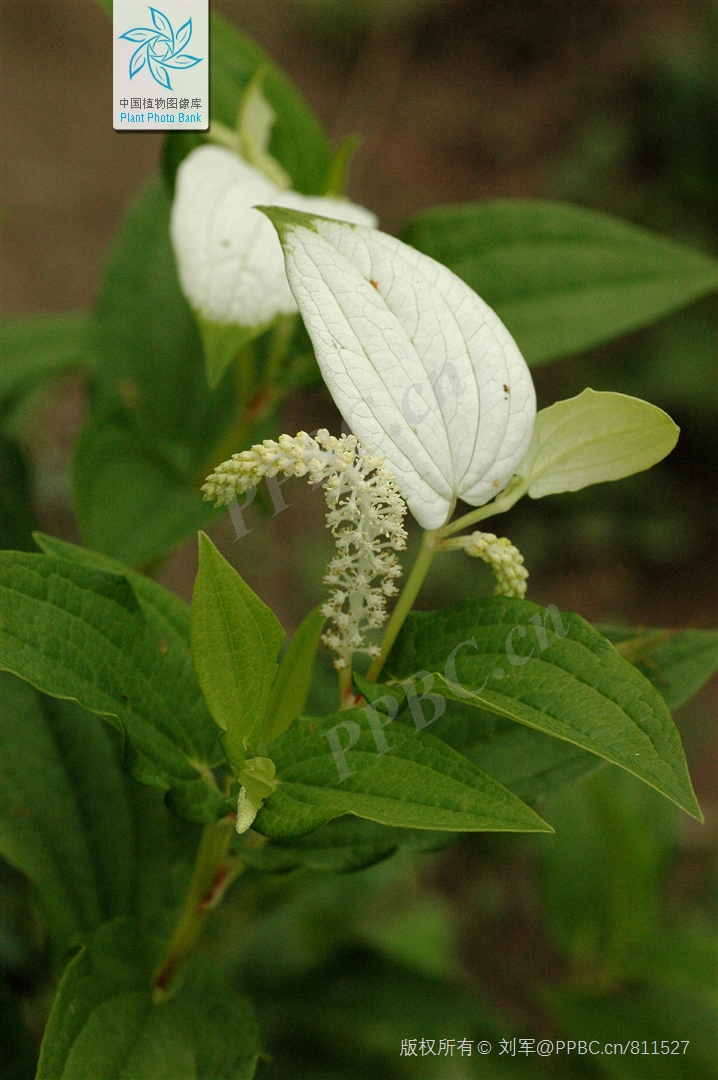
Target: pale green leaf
(553,672)
(418,783)
(594,437)
(254,131)
(235,642)
(291,685)
(561,277)
(105,1025)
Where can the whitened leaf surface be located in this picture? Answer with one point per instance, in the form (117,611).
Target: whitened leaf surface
(229,258)
(420,367)
(592,438)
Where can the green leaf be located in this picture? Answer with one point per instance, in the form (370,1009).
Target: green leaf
(94,843)
(601,878)
(154,420)
(132,503)
(677,662)
(290,688)
(235,641)
(223,344)
(418,783)
(77,632)
(564,679)
(149,350)
(529,763)
(562,278)
(163,609)
(341,161)
(592,438)
(298,142)
(104,1023)
(254,130)
(343,845)
(37,347)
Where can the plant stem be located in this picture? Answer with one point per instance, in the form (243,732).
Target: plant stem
(346,694)
(406,600)
(511,495)
(212,873)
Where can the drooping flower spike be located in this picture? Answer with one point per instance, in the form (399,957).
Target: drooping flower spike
(365,517)
(502,556)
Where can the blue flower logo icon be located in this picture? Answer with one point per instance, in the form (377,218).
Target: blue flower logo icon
(160,48)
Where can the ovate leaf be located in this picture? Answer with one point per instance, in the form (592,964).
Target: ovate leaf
(80,633)
(592,438)
(561,277)
(105,1024)
(553,672)
(290,688)
(420,367)
(235,641)
(417,783)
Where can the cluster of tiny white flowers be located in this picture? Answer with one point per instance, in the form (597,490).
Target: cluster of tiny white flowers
(503,557)
(365,516)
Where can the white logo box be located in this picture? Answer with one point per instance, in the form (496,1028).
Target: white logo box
(161,65)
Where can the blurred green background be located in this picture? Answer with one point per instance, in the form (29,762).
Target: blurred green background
(606,930)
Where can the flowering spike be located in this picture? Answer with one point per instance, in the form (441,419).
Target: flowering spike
(365,517)
(503,557)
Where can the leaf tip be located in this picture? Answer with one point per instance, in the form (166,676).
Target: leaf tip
(285,220)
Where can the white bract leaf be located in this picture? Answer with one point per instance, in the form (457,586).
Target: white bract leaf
(420,367)
(594,437)
(229,258)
